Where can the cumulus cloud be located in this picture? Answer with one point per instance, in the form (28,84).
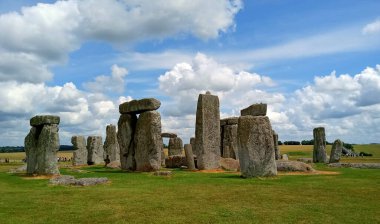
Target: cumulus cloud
(43,35)
(371,28)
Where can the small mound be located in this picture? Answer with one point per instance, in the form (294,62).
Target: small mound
(283,165)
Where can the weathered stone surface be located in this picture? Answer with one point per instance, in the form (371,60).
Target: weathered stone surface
(163,157)
(192,143)
(175,146)
(80,150)
(95,151)
(356,165)
(114,164)
(168,135)
(305,160)
(44,119)
(293,166)
(230,164)
(148,141)
(189,157)
(176,161)
(284,157)
(41,147)
(207,132)
(229,121)
(256,148)
(111,145)
(336,151)
(255,110)
(276,148)
(229,142)
(319,150)
(139,106)
(126,131)
(70,180)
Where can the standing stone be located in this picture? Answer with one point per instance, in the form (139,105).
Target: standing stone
(148,141)
(126,131)
(192,143)
(319,150)
(175,146)
(95,150)
(111,146)
(163,157)
(256,148)
(42,145)
(255,110)
(336,151)
(276,148)
(189,157)
(230,146)
(80,150)
(207,132)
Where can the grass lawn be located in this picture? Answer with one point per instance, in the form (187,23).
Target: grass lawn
(352,196)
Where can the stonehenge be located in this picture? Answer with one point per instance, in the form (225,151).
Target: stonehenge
(189,157)
(207,132)
(95,151)
(336,151)
(139,137)
(111,145)
(80,150)
(228,127)
(175,146)
(319,149)
(259,109)
(276,148)
(42,144)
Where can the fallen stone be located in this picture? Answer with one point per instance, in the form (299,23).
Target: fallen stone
(139,106)
(163,173)
(80,150)
(277,153)
(175,146)
(319,149)
(175,161)
(95,151)
(207,132)
(256,149)
(126,131)
(293,166)
(168,135)
(44,119)
(189,157)
(230,164)
(356,165)
(111,145)
(70,180)
(305,160)
(91,181)
(255,110)
(21,169)
(336,151)
(62,180)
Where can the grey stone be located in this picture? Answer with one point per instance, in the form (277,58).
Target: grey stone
(70,180)
(126,131)
(95,151)
(336,151)
(189,157)
(163,156)
(305,160)
(148,141)
(255,110)
(41,147)
(21,169)
(356,165)
(230,164)
(229,141)
(111,145)
(176,161)
(319,149)
(293,166)
(168,135)
(276,148)
(114,164)
(80,150)
(256,148)
(44,119)
(62,180)
(284,157)
(139,106)
(229,121)
(175,146)
(207,132)
(192,143)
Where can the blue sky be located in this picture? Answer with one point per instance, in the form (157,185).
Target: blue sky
(316,63)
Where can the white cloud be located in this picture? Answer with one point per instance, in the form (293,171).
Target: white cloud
(113,83)
(372,28)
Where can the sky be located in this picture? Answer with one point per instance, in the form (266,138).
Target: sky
(315,63)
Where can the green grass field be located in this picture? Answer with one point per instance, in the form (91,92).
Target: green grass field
(351,196)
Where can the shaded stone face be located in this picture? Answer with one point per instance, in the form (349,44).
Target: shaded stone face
(189,157)
(95,150)
(41,147)
(126,131)
(229,142)
(256,148)
(111,145)
(255,110)
(336,151)
(43,120)
(139,106)
(148,141)
(168,135)
(276,148)
(207,132)
(175,146)
(319,149)
(229,121)
(80,150)
(192,143)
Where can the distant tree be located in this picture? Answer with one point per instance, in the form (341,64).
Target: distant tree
(292,143)
(279,142)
